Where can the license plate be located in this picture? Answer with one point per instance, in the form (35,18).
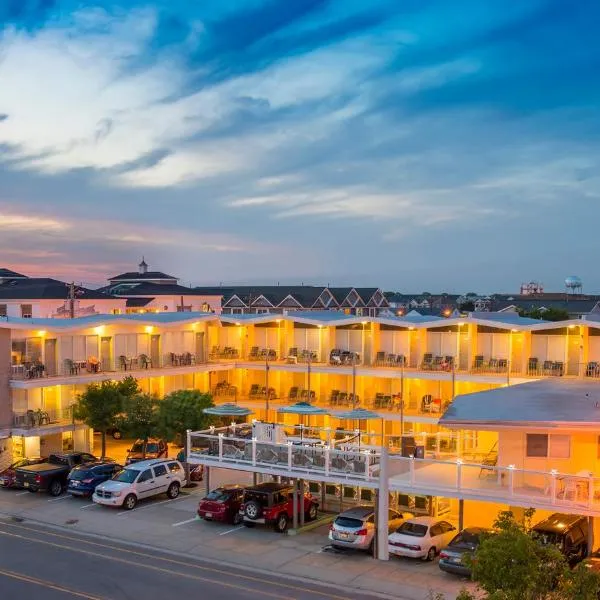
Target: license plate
(25,484)
(343,536)
(208,515)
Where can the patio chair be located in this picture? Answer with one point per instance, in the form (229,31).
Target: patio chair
(502,365)
(343,398)
(214,353)
(123,362)
(592,369)
(427,362)
(532,365)
(489,462)
(448,363)
(378,402)
(253,353)
(558,368)
(390,360)
(427,404)
(478,362)
(293,395)
(493,365)
(438,363)
(333,397)
(145,361)
(71,368)
(548,367)
(335,357)
(272,354)
(292,356)
(380,359)
(263,354)
(401,360)
(254,391)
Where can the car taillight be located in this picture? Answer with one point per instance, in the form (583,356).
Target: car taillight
(361,532)
(331,527)
(413,547)
(443,555)
(38,479)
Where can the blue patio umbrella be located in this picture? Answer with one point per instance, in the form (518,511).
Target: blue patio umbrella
(302,408)
(361,414)
(228,410)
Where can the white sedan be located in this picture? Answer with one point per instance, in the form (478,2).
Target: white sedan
(422,537)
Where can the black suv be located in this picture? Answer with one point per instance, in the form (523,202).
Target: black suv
(569,533)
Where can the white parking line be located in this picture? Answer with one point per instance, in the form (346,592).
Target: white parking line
(232,530)
(185,522)
(128,512)
(92,505)
(61,498)
(22,493)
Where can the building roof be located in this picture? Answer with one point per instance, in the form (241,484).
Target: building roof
(543,404)
(138,302)
(137,276)
(149,289)
(45,288)
(8,274)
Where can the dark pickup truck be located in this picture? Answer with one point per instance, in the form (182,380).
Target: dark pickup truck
(51,476)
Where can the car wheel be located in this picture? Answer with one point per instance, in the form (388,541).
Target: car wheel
(311,515)
(253,510)
(130,502)
(282,523)
(431,554)
(237,518)
(55,488)
(249,524)
(117,435)
(173,491)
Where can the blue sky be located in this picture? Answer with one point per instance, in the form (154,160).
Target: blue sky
(414,145)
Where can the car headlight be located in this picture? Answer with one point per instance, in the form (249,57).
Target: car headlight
(116,494)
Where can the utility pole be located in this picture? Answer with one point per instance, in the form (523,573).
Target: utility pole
(72,300)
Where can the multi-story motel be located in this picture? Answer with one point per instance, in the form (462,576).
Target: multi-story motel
(446,455)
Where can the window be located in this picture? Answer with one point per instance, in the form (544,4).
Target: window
(174,467)
(26,311)
(436,530)
(145,476)
(3,310)
(542,445)
(160,470)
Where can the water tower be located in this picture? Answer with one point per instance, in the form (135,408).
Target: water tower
(573,285)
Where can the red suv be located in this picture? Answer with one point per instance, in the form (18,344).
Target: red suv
(273,504)
(222,504)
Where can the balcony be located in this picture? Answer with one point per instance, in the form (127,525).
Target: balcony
(304,452)
(32,419)
(488,482)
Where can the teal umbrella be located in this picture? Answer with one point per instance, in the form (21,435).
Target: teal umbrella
(302,408)
(361,414)
(228,410)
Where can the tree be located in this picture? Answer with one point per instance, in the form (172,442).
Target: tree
(511,564)
(547,314)
(101,403)
(140,417)
(183,410)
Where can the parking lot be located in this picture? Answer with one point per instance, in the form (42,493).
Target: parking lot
(171,525)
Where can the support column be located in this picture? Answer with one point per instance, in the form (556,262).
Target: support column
(461,514)
(383,508)
(254,478)
(301,502)
(295,506)
(207,478)
(590,547)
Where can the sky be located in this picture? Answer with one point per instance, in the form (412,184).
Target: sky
(439,145)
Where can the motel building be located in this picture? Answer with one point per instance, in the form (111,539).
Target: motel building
(468,416)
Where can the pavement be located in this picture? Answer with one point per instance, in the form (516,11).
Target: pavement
(170,526)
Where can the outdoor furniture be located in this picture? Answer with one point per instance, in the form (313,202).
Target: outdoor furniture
(293,395)
(335,357)
(427,362)
(380,359)
(123,364)
(478,362)
(489,462)
(254,391)
(592,369)
(70,367)
(532,365)
(145,361)
(253,353)
(427,403)
(292,357)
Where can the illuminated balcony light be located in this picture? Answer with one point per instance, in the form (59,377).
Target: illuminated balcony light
(41,333)
(99,330)
(511,467)
(148,329)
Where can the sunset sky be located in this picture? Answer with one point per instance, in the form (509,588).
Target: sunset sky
(414,145)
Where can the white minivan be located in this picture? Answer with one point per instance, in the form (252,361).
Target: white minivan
(141,480)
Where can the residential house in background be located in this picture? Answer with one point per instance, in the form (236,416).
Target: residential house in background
(154,291)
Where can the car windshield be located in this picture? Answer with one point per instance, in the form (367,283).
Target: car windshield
(80,474)
(414,529)
(550,538)
(348,522)
(53,459)
(126,475)
(466,538)
(218,496)
(152,448)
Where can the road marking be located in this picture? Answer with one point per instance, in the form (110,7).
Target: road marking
(128,512)
(185,522)
(153,557)
(92,505)
(232,530)
(47,584)
(22,493)
(61,498)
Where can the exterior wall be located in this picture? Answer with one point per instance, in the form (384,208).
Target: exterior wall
(48,308)
(5,373)
(172,304)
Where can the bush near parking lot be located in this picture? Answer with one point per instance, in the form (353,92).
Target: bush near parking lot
(182,410)
(511,564)
(101,403)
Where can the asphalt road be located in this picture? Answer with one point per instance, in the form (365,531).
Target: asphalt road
(39,563)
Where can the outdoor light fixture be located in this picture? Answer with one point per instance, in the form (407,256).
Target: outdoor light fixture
(99,330)
(41,333)
(148,329)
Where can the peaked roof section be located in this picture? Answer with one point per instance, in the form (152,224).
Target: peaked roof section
(544,404)
(9,274)
(137,276)
(45,288)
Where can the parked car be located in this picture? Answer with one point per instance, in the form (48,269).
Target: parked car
(422,537)
(273,504)
(154,449)
(355,527)
(569,533)
(196,472)
(141,480)
(82,480)
(51,476)
(222,504)
(7,477)
(463,544)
